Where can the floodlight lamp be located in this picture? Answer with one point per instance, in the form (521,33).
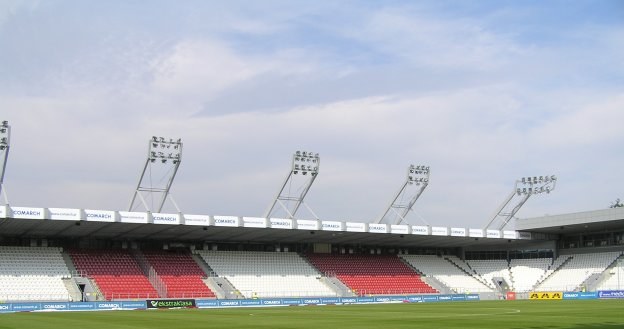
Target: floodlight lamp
(175,161)
(553,177)
(2,147)
(152,160)
(316,155)
(411,171)
(155,139)
(315,168)
(296,167)
(523,180)
(524,190)
(304,172)
(153,153)
(541,178)
(164,160)
(3,130)
(298,153)
(4,140)
(518,191)
(162,139)
(547,189)
(304,153)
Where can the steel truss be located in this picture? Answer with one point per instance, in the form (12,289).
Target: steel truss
(163,156)
(304,165)
(524,188)
(406,197)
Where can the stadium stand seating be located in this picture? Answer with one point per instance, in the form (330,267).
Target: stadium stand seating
(490,269)
(32,274)
(614,278)
(116,273)
(372,274)
(447,272)
(526,272)
(575,269)
(179,272)
(267,274)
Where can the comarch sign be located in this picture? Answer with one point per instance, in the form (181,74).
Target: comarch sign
(378,228)
(332,226)
(421,230)
(228,221)
(28,213)
(282,223)
(100,216)
(171,219)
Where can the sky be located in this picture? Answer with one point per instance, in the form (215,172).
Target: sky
(483,92)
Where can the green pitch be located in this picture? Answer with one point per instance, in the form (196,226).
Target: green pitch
(595,314)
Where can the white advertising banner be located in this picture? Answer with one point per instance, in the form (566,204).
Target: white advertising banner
(171,219)
(133,217)
(308,224)
(440,231)
(256,222)
(100,216)
(399,229)
(28,213)
(476,233)
(355,227)
(327,225)
(421,230)
(458,231)
(283,223)
(378,228)
(495,234)
(65,214)
(510,235)
(3,211)
(198,220)
(525,235)
(228,221)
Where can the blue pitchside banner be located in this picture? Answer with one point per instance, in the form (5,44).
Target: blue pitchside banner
(221,303)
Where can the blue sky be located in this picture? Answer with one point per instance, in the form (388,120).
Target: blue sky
(484,92)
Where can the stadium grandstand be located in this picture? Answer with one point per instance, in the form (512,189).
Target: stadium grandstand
(85,255)
(86,259)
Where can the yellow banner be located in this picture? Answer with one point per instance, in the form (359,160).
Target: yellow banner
(546,295)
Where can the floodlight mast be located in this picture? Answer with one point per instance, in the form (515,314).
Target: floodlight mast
(303,163)
(5,145)
(524,188)
(416,176)
(161,152)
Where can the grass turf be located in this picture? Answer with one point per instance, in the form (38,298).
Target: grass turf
(593,314)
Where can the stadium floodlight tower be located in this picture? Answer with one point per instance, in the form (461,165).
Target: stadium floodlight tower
(304,166)
(163,160)
(404,200)
(523,190)
(5,143)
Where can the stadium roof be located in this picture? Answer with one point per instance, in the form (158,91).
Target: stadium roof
(604,220)
(57,223)
(129,231)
